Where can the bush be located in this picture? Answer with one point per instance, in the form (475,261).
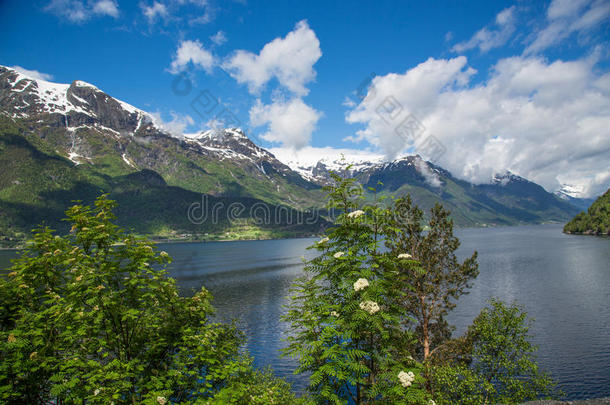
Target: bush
(500,367)
(93,317)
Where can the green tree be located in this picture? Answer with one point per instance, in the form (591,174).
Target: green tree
(345,315)
(436,279)
(500,366)
(92,317)
(595,221)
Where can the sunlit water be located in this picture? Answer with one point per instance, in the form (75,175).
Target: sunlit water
(562,281)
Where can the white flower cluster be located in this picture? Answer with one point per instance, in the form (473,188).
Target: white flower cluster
(406,378)
(404,256)
(161,400)
(369,306)
(335,314)
(355,214)
(361,284)
(323,240)
(338,255)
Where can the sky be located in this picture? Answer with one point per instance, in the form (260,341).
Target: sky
(478,87)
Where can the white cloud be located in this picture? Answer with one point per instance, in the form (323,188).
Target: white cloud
(565,17)
(207,17)
(548,122)
(35,74)
(290,60)
(176,126)
(348,102)
(430,176)
(219,38)
(290,123)
(486,38)
(106,7)
(192,52)
(79,11)
(155,10)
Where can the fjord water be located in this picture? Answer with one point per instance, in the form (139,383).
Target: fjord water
(562,281)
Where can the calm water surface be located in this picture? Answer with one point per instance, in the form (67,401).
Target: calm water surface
(562,281)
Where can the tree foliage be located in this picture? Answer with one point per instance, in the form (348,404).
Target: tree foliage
(345,314)
(595,221)
(436,278)
(93,317)
(361,312)
(500,366)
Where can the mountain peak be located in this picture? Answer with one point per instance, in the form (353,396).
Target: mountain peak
(506,177)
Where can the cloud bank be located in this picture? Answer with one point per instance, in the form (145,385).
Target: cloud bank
(546,121)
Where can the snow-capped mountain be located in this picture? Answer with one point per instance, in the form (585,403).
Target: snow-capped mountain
(82,106)
(572,195)
(97,139)
(96,129)
(71,105)
(315,164)
(233,144)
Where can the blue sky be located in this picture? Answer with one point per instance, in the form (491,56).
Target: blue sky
(502,85)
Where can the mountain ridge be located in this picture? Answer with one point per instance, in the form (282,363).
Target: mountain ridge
(104,141)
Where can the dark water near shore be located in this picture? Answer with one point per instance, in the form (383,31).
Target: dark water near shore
(562,281)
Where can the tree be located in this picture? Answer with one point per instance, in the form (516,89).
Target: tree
(435,277)
(345,316)
(501,367)
(92,317)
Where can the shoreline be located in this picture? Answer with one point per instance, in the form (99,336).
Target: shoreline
(153,238)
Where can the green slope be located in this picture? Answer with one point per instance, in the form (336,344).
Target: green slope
(37,184)
(596,221)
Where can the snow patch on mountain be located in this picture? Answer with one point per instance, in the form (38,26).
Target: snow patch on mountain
(570,190)
(310,160)
(231,143)
(505,178)
(53,97)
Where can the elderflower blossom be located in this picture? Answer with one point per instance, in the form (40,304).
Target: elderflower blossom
(323,240)
(161,400)
(404,256)
(338,255)
(406,378)
(335,314)
(355,214)
(369,306)
(96,392)
(361,284)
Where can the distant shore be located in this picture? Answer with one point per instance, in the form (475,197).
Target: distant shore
(218,238)
(597,401)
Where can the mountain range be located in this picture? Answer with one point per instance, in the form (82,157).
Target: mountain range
(65,142)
